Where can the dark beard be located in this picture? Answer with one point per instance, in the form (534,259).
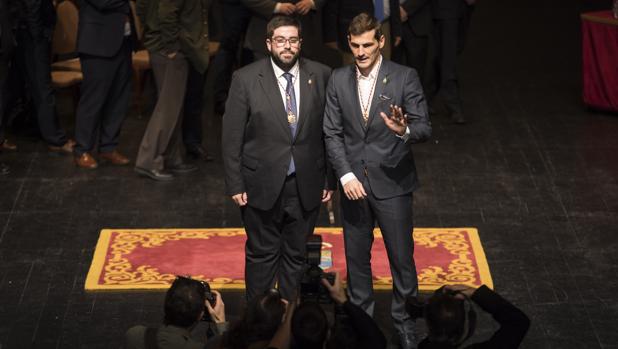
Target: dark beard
(284,66)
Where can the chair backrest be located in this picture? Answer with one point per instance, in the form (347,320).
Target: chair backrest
(65,33)
(138,24)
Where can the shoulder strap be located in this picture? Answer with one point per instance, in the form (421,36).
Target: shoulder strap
(150,338)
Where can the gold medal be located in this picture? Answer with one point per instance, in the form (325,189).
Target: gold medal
(291,118)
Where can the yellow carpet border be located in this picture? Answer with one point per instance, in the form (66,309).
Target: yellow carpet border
(98,259)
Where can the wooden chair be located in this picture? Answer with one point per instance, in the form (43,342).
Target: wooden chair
(66,73)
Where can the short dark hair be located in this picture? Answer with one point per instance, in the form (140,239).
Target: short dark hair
(282,21)
(446,318)
(309,326)
(363,23)
(184,302)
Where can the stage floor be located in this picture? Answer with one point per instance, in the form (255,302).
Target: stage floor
(533,170)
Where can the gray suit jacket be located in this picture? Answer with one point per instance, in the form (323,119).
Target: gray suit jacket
(257,142)
(375,150)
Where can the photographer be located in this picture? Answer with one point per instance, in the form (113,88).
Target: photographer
(186,303)
(451,319)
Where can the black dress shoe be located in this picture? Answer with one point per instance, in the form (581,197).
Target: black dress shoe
(155,174)
(182,168)
(4,170)
(196,151)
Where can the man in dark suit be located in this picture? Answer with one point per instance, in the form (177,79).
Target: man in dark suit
(105,38)
(416,34)
(274,157)
(374,110)
(307,12)
(451,18)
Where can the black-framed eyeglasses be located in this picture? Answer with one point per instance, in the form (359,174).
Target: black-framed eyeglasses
(280,41)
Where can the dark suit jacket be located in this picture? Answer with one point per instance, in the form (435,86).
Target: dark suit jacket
(513,323)
(339,13)
(258,144)
(101,26)
(353,148)
(262,11)
(420,19)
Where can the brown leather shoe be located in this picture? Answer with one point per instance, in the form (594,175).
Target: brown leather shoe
(86,161)
(115,157)
(8,145)
(65,148)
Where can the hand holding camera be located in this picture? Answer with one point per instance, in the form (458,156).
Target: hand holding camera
(216,307)
(336,290)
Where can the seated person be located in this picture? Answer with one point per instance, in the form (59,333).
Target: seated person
(184,308)
(451,318)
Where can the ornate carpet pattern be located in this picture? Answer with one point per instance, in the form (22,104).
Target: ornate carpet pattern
(129,259)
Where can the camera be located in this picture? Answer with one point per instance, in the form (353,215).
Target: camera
(311,288)
(208,295)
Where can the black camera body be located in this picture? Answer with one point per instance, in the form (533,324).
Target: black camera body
(311,287)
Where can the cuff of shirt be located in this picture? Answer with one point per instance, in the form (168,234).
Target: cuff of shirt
(346,178)
(405,136)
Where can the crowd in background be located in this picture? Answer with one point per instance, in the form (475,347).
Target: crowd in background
(214,37)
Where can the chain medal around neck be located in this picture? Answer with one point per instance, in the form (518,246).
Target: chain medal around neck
(292,119)
(365,106)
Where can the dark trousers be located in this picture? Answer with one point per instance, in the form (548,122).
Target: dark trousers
(35,53)
(414,52)
(4,75)
(161,144)
(236,18)
(193,102)
(104,100)
(275,248)
(394,216)
(447,42)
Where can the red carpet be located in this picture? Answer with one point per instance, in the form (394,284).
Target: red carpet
(149,259)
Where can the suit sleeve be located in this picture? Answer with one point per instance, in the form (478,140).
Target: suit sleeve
(331,179)
(333,130)
(233,134)
(262,8)
(107,5)
(415,106)
(513,322)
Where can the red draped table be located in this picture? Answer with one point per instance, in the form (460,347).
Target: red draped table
(600,60)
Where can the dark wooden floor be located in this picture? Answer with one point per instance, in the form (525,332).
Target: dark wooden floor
(533,169)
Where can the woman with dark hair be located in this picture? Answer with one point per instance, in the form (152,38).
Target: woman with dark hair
(257,326)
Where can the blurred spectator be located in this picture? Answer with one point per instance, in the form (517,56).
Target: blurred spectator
(416,34)
(7,45)
(105,38)
(451,319)
(35,27)
(451,20)
(179,62)
(184,308)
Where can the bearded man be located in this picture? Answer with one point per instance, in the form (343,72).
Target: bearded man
(274,157)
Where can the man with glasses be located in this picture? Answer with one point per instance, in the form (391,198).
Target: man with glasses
(274,157)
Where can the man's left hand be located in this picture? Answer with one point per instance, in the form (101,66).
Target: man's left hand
(326,195)
(304,6)
(397,41)
(217,313)
(396,122)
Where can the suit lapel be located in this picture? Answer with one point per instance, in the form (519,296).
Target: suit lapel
(306,82)
(376,102)
(271,91)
